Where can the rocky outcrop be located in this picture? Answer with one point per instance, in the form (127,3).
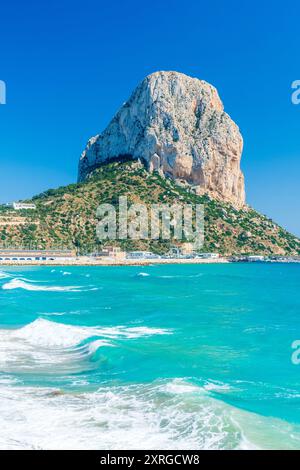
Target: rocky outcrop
(177,125)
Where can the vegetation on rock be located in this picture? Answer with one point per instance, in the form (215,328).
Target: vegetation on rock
(67,216)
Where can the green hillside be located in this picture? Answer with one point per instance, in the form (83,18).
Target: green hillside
(67,216)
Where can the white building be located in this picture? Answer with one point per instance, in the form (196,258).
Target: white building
(256,258)
(141,255)
(21,205)
(208,255)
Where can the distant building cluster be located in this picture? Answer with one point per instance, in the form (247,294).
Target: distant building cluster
(184,251)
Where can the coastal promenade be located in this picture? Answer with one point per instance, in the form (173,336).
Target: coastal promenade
(88,261)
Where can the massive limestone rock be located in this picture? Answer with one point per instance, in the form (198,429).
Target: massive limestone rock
(177,125)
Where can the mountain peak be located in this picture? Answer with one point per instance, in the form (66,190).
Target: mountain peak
(176,124)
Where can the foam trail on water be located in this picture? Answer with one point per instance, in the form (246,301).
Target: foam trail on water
(4,275)
(21,284)
(182,276)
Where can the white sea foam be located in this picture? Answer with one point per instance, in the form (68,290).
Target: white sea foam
(53,314)
(98,343)
(8,380)
(49,333)
(138,416)
(4,275)
(216,387)
(180,276)
(43,342)
(179,386)
(22,284)
(143,274)
(60,314)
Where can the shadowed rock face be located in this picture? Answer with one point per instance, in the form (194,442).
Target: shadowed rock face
(177,125)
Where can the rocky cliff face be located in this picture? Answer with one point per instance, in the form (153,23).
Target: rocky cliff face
(177,125)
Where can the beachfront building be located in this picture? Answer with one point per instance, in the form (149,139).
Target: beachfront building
(255,258)
(23,206)
(175,252)
(35,255)
(208,255)
(187,248)
(114,252)
(141,255)
(183,250)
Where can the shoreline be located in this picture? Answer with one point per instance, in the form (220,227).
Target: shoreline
(84,261)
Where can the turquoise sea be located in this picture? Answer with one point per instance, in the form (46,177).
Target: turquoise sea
(157,357)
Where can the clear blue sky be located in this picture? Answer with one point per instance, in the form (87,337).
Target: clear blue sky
(69,65)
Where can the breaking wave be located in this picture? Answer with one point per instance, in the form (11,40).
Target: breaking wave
(45,342)
(50,333)
(21,284)
(163,415)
